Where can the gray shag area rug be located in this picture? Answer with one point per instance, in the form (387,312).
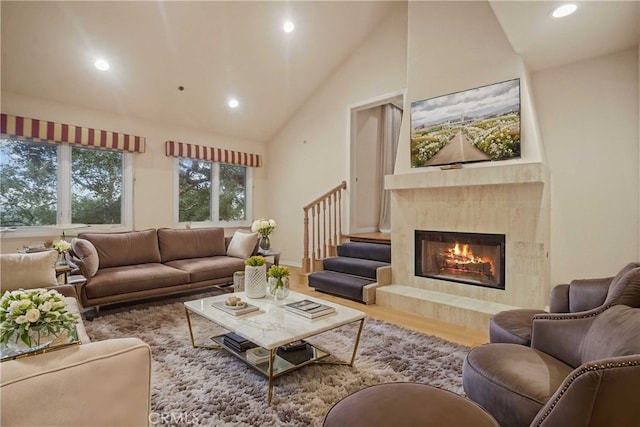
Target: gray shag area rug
(203,387)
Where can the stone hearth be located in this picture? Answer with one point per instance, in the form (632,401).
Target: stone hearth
(510,199)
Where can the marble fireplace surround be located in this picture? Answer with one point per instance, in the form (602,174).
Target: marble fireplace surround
(510,199)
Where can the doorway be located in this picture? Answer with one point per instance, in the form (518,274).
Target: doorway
(371,133)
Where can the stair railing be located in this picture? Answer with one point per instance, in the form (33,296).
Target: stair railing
(325,232)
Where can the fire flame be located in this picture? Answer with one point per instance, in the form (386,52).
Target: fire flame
(465,254)
(460,258)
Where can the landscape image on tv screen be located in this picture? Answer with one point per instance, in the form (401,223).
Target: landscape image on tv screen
(476,125)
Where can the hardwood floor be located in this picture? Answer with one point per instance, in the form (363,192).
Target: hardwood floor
(448,331)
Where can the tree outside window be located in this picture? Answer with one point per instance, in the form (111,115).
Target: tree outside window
(232,195)
(213,192)
(33,187)
(195,191)
(96,186)
(28,183)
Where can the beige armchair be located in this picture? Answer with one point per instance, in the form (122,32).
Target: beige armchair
(581,370)
(103,383)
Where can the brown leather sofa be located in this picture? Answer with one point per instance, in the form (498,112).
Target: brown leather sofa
(514,326)
(581,370)
(129,266)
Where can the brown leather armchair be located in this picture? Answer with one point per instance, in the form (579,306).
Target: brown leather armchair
(514,326)
(581,370)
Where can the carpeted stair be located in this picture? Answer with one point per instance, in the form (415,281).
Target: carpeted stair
(355,267)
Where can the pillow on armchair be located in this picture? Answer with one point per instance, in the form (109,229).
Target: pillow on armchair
(26,271)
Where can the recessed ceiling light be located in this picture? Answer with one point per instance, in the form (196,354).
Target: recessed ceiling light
(101,64)
(564,10)
(288,27)
(233,103)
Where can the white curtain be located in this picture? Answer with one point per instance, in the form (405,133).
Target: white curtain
(391,118)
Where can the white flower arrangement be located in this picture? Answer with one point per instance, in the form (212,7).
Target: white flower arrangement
(29,314)
(263,226)
(62,246)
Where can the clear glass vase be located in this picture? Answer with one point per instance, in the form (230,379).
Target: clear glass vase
(265,243)
(62,259)
(238,281)
(38,340)
(279,288)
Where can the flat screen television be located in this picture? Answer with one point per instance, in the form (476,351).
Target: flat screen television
(475,125)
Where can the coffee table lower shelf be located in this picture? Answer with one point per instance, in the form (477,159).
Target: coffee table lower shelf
(280,365)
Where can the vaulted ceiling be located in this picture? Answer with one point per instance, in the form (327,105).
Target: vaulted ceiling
(217,50)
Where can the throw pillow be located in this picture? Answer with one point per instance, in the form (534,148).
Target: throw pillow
(27,271)
(86,257)
(242,244)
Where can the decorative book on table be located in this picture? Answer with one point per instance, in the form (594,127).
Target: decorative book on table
(308,308)
(236,311)
(298,356)
(236,342)
(258,355)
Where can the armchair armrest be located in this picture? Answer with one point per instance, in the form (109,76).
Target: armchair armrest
(595,393)
(559,335)
(559,299)
(66,290)
(101,383)
(579,295)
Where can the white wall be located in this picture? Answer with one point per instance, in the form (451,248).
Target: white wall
(455,46)
(588,114)
(154,172)
(310,154)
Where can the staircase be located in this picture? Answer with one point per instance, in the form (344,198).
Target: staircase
(355,273)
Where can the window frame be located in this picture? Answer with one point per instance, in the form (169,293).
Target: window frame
(215,188)
(63,211)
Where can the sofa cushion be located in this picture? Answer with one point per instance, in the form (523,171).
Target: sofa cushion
(86,257)
(26,271)
(506,376)
(211,268)
(129,248)
(190,243)
(128,279)
(242,244)
(512,326)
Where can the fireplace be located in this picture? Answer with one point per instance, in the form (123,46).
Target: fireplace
(469,258)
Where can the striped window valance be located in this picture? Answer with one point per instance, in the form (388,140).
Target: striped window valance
(42,130)
(200,152)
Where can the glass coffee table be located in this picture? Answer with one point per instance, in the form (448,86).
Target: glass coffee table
(271,326)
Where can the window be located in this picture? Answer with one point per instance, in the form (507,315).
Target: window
(213,192)
(47,184)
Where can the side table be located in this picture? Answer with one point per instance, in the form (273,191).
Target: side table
(63,270)
(270,252)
